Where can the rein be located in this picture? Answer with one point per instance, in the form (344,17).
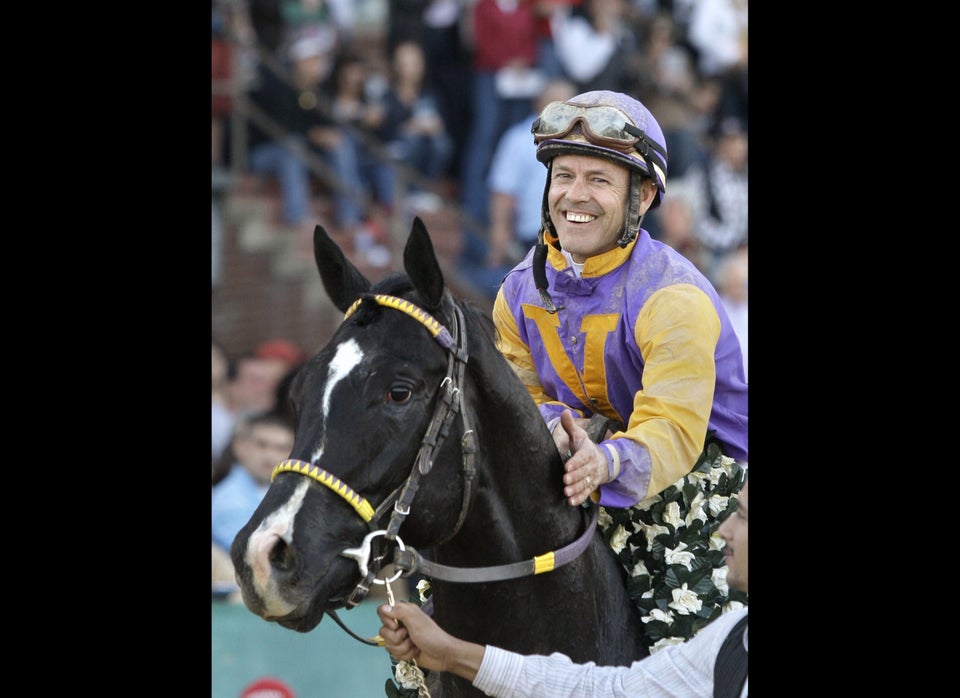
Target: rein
(408,560)
(411,561)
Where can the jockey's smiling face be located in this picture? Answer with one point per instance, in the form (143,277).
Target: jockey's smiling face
(588,201)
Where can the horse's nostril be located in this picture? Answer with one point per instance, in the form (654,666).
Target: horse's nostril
(281,556)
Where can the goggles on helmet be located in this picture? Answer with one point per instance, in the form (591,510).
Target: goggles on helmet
(602,125)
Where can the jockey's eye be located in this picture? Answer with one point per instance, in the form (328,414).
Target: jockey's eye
(399,395)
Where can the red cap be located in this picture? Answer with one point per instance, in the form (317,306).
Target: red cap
(268,688)
(280,349)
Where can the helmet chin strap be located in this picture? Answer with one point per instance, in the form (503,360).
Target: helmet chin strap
(540,275)
(540,252)
(631,222)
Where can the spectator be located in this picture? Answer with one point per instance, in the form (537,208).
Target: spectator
(266,21)
(713,663)
(406,22)
(705,103)
(253,388)
(361,117)
(504,81)
(255,385)
(286,361)
(516,200)
(547,59)
(310,130)
(223,464)
(664,78)
(674,223)
(283,394)
(723,183)
(718,33)
(413,129)
(733,97)
(281,356)
(732,274)
(594,44)
(343,13)
(436,25)
(353,107)
(303,16)
(299,17)
(221,416)
(448,61)
(260,442)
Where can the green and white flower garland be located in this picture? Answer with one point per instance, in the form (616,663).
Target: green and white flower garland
(668,545)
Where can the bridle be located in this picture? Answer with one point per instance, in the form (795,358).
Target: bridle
(407,559)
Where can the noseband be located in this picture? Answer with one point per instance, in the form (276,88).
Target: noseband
(448,406)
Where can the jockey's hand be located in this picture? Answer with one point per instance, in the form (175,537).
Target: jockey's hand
(586,468)
(562,439)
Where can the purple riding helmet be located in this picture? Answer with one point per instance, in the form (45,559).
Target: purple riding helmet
(603,124)
(609,125)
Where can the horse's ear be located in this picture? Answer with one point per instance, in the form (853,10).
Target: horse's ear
(343,282)
(422,266)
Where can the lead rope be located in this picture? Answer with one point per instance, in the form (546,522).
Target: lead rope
(419,678)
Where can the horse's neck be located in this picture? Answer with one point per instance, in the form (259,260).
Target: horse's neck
(523,492)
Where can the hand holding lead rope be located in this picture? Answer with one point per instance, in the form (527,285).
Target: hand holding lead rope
(418,676)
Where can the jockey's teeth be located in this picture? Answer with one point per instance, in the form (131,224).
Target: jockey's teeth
(579,217)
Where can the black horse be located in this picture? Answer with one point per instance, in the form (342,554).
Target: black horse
(414,433)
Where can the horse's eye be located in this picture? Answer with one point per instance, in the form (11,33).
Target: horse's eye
(399,395)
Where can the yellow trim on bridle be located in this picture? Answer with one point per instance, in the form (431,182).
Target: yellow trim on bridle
(293,465)
(544,563)
(404,306)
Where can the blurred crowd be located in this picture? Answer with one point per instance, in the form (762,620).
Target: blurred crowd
(440,110)
(419,113)
(252,430)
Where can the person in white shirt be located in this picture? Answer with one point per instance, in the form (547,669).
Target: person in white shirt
(687,669)
(732,283)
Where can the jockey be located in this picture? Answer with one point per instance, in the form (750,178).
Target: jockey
(601,321)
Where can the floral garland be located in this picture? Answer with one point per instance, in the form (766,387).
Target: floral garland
(668,545)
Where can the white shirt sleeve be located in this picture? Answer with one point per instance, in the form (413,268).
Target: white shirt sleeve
(676,671)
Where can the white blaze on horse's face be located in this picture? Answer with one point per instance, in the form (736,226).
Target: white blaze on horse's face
(279,524)
(348,356)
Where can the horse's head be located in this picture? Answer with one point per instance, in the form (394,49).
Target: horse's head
(373,410)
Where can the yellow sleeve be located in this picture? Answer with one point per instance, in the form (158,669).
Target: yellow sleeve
(677,332)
